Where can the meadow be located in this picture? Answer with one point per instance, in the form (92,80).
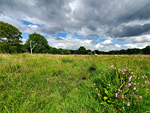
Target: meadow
(74,83)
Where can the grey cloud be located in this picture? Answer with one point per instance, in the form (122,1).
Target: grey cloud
(81,16)
(128,31)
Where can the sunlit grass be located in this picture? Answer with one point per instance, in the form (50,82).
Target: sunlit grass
(61,83)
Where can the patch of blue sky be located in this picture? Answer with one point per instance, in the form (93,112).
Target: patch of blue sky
(119,42)
(25,35)
(60,34)
(29,23)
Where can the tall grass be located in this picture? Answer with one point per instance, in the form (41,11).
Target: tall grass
(75,83)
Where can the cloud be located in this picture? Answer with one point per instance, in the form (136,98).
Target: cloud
(69,42)
(136,39)
(113,19)
(128,31)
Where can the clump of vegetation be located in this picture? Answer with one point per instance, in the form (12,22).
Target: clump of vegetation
(92,67)
(122,89)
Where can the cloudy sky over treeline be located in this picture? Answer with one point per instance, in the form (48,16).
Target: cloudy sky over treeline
(69,24)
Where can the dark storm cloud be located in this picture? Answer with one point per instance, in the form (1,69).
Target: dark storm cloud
(129,31)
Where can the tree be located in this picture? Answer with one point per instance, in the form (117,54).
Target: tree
(146,50)
(37,43)
(10,38)
(82,50)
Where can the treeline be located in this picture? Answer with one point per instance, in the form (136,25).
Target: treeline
(10,42)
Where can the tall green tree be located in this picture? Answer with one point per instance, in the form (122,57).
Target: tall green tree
(82,50)
(10,38)
(37,43)
(146,50)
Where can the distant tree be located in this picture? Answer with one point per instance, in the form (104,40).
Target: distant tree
(146,50)
(10,38)
(37,43)
(82,50)
(66,51)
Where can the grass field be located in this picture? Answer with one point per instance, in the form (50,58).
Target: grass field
(74,83)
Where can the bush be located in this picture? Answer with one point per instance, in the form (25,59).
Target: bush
(122,89)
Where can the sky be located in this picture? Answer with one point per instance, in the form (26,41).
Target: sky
(95,24)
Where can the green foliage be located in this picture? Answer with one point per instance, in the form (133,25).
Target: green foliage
(82,50)
(122,89)
(40,43)
(10,38)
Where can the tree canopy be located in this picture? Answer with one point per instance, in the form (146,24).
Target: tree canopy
(39,42)
(10,38)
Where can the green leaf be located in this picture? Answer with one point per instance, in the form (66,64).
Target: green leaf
(106,91)
(105,98)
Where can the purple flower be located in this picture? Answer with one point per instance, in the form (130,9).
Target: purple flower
(133,75)
(124,70)
(112,66)
(116,95)
(140,96)
(131,72)
(134,88)
(129,84)
(126,86)
(109,84)
(134,83)
(130,78)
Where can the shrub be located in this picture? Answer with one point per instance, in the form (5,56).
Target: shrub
(122,89)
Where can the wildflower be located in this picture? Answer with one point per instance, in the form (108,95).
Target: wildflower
(138,83)
(147,89)
(123,73)
(133,75)
(129,69)
(116,95)
(112,66)
(124,70)
(131,72)
(130,78)
(118,89)
(128,104)
(94,83)
(122,96)
(140,96)
(129,84)
(145,81)
(109,84)
(126,86)
(98,94)
(134,83)
(134,88)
